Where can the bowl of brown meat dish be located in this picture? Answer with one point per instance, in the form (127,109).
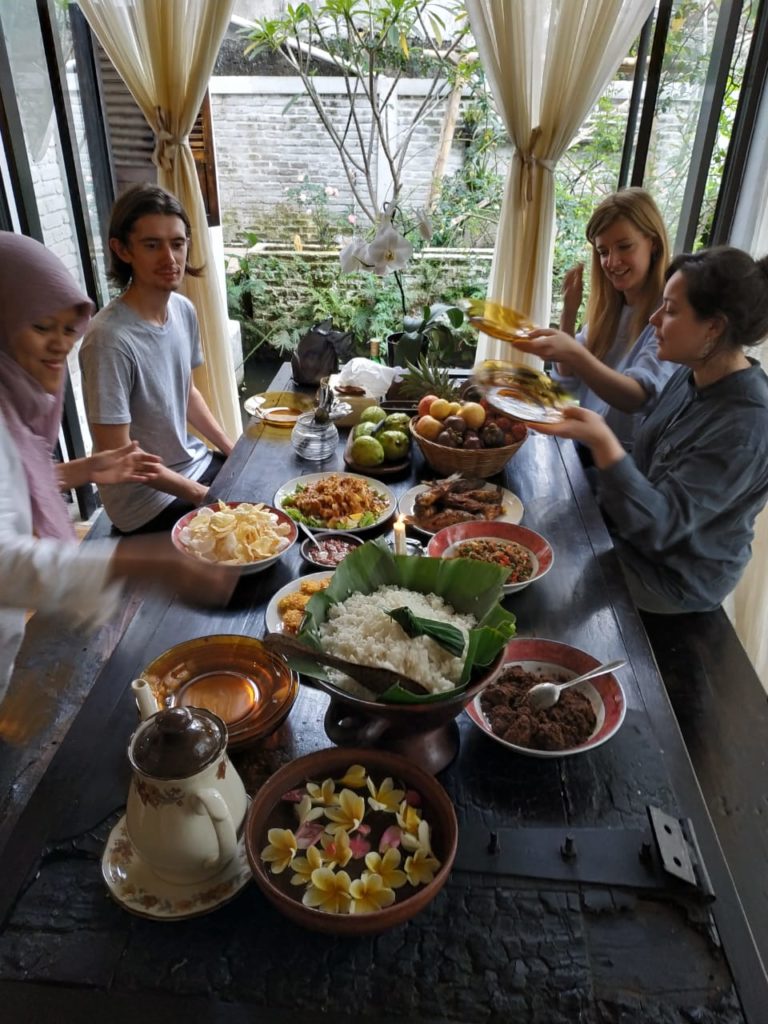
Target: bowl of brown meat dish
(586,715)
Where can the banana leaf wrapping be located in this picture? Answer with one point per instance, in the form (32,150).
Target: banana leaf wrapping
(469,586)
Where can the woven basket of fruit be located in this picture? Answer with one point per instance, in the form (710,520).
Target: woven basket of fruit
(465,437)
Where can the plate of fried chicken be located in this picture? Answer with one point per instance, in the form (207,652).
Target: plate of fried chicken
(435,504)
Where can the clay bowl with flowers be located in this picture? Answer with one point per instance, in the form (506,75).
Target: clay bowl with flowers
(351,842)
(419,726)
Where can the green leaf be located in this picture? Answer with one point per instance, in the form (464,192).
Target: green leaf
(443,633)
(470,587)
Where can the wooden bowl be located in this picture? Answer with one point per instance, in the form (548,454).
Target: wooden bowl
(269,810)
(482,462)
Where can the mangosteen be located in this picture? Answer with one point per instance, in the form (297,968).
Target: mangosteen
(471,393)
(472,443)
(455,423)
(447,438)
(492,436)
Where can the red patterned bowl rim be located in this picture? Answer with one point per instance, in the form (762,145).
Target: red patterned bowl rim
(607,689)
(522,535)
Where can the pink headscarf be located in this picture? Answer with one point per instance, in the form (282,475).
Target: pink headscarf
(34,284)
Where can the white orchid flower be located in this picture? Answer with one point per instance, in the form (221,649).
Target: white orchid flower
(354,256)
(425,223)
(389,251)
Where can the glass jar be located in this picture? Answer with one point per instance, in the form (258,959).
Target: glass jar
(314,439)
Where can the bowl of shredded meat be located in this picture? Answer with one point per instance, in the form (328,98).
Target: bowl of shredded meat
(586,716)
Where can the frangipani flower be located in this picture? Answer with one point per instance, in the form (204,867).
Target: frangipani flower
(349,812)
(420,867)
(418,840)
(408,818)
(336,848)
(304,866)
(325,794)
(386,797)
(328,891)
(387,866)
(355,777)
(369,893)
(281,850)
(306,810)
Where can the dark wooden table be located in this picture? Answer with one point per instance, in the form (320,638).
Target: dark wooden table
(495,945)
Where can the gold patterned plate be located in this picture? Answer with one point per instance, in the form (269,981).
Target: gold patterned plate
(134,885)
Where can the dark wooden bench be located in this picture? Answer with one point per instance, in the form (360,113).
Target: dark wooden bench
(722,710)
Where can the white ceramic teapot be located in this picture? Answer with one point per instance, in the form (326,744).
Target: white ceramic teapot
(186,801)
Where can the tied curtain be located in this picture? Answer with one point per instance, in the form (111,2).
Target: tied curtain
(547,62)
(165,50)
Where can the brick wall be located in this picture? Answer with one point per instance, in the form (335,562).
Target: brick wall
(264,149)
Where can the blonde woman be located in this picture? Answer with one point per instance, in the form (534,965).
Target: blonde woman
(612,364)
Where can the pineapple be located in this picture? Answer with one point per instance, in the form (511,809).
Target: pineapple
(427,378)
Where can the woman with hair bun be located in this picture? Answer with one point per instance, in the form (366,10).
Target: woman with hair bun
(682,506)
(612,365)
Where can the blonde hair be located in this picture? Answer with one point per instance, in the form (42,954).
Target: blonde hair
(605,304)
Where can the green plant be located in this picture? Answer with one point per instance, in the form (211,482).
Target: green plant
(431,333)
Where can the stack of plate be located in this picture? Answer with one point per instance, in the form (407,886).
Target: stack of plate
(251,689)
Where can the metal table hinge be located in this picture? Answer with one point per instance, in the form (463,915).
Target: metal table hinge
(664,857)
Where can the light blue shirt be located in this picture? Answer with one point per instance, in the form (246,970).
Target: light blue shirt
(640,362)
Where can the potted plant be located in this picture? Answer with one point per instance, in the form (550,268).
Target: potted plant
(434,328)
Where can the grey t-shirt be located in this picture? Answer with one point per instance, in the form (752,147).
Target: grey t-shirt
(140,373)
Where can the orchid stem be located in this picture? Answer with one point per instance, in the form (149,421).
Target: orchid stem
(402,293)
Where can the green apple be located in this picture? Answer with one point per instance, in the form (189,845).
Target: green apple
(395,444)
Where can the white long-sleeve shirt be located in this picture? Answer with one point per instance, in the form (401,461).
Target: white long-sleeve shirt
(68,580)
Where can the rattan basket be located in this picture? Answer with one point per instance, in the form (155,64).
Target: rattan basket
(483,462)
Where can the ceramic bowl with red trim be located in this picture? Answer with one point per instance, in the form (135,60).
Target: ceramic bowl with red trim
(550,660)
(491,540)
(218,542)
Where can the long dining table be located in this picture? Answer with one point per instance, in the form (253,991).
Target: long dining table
(523,930)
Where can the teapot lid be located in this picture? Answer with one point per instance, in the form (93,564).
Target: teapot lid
(177,743)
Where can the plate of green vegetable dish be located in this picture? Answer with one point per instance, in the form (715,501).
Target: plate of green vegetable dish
(336,501)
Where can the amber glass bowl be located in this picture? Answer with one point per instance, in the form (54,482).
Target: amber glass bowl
(251,689)
(269,810)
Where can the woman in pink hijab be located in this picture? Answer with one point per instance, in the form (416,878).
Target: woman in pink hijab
(42,314)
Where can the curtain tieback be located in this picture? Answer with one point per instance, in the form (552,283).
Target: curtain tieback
(529,160)
(165,141)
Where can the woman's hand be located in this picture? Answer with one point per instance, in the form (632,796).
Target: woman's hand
(550,344)
(154,562)
(588,428)
(129,464)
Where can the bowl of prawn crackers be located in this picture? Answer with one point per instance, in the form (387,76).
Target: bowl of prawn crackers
(249,537)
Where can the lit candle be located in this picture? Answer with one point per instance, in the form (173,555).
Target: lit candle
(401,548)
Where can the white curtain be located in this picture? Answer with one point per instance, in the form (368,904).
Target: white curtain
(747,606)
(547,62)
(164,50)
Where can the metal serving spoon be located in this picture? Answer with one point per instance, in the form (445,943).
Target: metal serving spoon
(377,680)
(306,529)
(546,695)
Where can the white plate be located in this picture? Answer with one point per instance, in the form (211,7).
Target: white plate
(311,478)
(272,620)
(513,507)
(133,884)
